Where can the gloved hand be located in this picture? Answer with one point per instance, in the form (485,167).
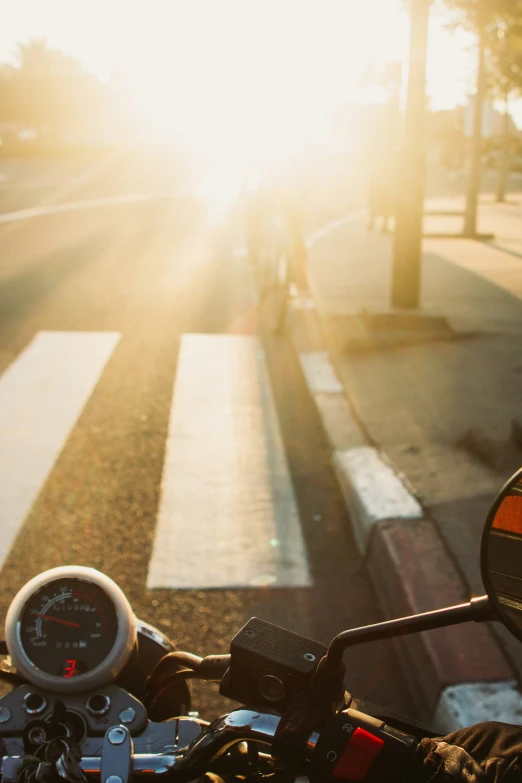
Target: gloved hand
(484,753)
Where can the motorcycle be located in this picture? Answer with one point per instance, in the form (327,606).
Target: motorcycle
(100,695)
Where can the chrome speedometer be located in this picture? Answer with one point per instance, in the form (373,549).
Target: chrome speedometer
(70,629)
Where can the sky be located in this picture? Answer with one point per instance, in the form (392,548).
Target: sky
(232,64)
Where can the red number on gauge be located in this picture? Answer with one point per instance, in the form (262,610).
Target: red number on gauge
(69,669)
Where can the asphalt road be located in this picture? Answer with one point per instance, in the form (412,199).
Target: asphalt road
(152,272)
(31,181)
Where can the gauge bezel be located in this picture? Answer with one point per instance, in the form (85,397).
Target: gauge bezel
(102,674)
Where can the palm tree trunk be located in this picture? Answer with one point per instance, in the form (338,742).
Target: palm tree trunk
(503,174)
(473,186)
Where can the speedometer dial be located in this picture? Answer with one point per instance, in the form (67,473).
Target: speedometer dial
(70,629)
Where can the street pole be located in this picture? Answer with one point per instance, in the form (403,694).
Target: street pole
(470,215)
(405,292)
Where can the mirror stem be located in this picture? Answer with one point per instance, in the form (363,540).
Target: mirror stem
(478,609)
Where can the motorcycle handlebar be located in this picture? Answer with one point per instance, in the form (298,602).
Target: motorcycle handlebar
(238,726)
(347,738)
(241,725)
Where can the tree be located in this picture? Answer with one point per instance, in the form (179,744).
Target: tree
(405,287)
(487,18)
(36,58)
(6,74)
(505,72)
(50,92)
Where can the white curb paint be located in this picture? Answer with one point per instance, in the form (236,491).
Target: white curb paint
(319,373)
(73,206)
(228,516)
(41,397)
(468,703)
(372,491)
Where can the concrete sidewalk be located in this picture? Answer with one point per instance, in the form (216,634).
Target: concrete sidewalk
(503,220)
(438,404)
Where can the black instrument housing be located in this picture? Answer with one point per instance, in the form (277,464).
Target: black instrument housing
(151,646)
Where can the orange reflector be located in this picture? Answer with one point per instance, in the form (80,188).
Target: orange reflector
(509,515)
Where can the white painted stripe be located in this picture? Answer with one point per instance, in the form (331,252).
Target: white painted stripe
(321,233)
(314,236)
(319,372)
(41,396)
(73,206)
(300,300)
(372,490)
(468,703)
(227,515)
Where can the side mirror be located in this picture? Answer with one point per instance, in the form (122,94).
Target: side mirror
(501,555)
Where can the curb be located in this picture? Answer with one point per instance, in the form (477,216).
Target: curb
(459,675)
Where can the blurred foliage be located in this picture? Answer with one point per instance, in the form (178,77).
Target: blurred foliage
(49,92)
(501,23)
(474,13)
(505,58)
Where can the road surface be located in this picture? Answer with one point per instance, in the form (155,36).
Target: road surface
(151,428)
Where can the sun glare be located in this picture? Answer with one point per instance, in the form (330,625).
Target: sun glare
(241,80)
(259,78)
(247,80)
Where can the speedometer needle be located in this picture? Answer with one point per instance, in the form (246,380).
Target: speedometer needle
(57,620)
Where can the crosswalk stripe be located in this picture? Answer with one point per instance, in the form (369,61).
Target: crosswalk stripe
(42,394)
(228,516)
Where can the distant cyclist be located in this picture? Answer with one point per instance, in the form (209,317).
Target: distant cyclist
(272,224)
